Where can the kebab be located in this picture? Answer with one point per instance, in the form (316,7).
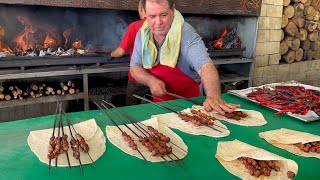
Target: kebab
(51,146)
(79,141)
(150,143)
(125,136)
(149,128)
(152,132)
(164,107)
(259,168)
(64,140)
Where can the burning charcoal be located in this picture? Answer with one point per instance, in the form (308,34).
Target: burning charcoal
(31,54)
(3,54)
(42,53)
(81,51)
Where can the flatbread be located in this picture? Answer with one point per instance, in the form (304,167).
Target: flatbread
(228,153)
(115,137)
(174,121)
(286,138)
(38,142)
(254,118)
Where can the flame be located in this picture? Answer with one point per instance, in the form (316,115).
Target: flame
(66,35)
(5,48)
(219,43)
(1,31)
(77,44)
(24,40)
(50,42)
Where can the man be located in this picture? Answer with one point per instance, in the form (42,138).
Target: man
(169,56)
(126,45)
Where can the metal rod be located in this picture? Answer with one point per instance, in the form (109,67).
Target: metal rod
(133,120)
(63,135)
(117,126)
(60,142)
(54,127)
(181,97)
(164,107)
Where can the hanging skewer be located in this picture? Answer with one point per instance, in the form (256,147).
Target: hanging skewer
(153,151)
(164,107)
(65,145)
(199,113)
(51,142)
(134,121)
(84,146)
(124,134)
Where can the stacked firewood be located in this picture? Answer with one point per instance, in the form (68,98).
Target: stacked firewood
(300,25)
(18,90)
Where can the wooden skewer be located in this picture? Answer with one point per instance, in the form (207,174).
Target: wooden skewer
(117,126)
(134,132)
(164,107)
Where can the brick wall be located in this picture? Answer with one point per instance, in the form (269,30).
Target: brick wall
(268,68)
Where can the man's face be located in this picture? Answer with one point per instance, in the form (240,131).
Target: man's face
(159,17)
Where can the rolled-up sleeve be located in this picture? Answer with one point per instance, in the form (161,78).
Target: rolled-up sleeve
(136,59)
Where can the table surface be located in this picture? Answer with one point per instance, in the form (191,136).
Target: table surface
(19,162)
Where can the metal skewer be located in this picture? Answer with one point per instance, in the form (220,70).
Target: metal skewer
(134,133)
(117,126)
(141,129)
(60,142)
(63,135)
(171,110)
(183,108)
(181,97)
(54,127)
(69,122)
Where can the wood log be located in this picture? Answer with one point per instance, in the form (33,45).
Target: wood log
(310,26)
(315,45)
(49,89)
(316,4)
(298,21)
(305,45)
(69,83)
(318,26)
(303,1)
(317,16)
(289,11)
(286,2)
(317,55)
(291,29)
(298,10)
(283,48)
(11,88)
(15,94)
(290,56)
(63,86)
(310,54)
(7,97)
(302,35)
(292,42)
(19,91)
(1,96)
(308,3)
(71,91)
(284,21)
(282,35)
(299,54)
(59,91)
(313,36)
(34,87)
(1,88)
(53,92)
(309,12)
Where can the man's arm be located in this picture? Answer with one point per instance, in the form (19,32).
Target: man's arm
(157,87)
(210,79)
(119,52)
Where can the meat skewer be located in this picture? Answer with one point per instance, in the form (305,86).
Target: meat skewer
(142,130)
(51,142)
(125,136)
(57,148)
(80,140)
(153,150)
(64,140)
(156,133)
(164,107)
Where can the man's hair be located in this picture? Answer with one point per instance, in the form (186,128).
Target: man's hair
(170,2)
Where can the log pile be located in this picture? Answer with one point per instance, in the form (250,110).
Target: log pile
(20,90)
(300,26)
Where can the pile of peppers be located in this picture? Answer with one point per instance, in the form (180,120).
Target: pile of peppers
(294,99)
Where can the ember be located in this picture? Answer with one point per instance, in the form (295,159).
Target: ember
(227,40)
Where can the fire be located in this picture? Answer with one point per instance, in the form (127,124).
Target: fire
(1,31)
(227,40)
(219,43)
(77,44)
(50,42)
(66,35)
(24,40)
(5,48)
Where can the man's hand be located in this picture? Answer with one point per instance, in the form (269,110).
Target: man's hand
(219,105)
(157,87)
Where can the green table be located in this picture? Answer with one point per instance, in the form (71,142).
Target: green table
(18,161)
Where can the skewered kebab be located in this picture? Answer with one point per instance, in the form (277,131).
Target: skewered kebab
(153,131)
(148,142)
(51,146)
(125,136)
(64,140)
(57,148)
(79,140)
(259,168)
(164,107)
